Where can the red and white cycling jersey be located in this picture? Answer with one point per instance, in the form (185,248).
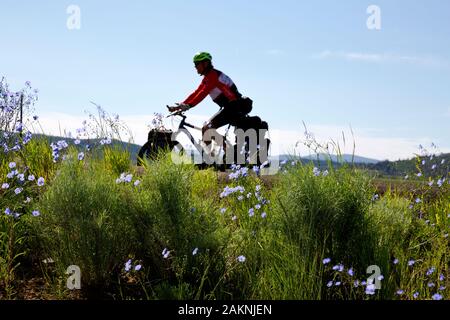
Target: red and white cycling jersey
(218,85)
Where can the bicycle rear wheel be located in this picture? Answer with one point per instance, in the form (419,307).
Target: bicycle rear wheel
(144,153)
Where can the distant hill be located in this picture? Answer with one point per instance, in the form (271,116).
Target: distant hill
(346,158)
(324,158)
(437,165)
(131,147)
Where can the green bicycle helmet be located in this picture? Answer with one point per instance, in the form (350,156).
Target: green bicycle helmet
(202,56)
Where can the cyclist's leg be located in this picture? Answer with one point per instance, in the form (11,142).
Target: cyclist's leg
(218,120)
(234,112)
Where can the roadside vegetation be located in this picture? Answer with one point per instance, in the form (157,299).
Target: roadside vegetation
(171,231)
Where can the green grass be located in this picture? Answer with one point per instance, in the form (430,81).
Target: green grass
(92,220)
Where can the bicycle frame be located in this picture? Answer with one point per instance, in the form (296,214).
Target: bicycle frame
(182,128)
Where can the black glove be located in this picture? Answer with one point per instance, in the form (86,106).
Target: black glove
(179,106)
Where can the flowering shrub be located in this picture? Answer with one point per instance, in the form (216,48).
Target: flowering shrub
(15,112)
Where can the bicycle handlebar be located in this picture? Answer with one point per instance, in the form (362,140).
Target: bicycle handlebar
(176,113)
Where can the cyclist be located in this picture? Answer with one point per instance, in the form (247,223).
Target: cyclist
(222,90)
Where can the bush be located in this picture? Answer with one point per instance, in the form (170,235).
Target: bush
(117,159)
(37,156)
(317,215)
(85,222)
(183,221)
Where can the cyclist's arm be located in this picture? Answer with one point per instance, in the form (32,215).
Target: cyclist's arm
(198,95)
(209,82)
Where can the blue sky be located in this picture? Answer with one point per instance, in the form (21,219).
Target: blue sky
(311,61)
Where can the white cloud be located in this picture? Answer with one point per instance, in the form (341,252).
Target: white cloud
(58,124)
(283,141)
(383,57)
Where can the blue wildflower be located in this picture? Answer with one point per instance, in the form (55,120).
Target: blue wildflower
(241,259)
(339,268)
(316,172)
(40,182)
(370,289)
(436,296)
(128,265)
(431,271)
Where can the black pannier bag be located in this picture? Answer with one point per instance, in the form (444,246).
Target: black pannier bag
(257,124)
(158,139)
(252,123)
(246,105)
